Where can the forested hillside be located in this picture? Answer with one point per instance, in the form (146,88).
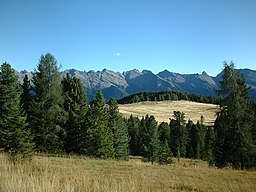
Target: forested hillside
(51,114)
(168,95)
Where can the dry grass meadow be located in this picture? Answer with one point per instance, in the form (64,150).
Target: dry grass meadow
(82,174)
(163,110)
(70,174)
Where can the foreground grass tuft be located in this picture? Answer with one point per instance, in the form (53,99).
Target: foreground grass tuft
(46,174)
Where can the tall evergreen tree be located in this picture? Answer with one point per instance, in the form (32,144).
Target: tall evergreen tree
(119,130)
(15,139)
(220,156)
(200,135)
(134,134)
(209,145)
(154,144)
(76,106)
(99,137)
(164,132)
(149,138)
(26,96)
(179,134)
(233,126)
(165,153)
(48,116)
(190,142)
(196,135)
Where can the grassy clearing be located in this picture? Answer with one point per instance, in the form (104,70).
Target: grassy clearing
(163,110)
(48,174)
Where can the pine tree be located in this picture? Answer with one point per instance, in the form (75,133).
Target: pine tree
(76,106)
(220,157)
(233,126)
(190,142)
(99,137)
(119,130)
(134,133)
(26,96)
(154,144)
(200,133)
(195,144)
(165,153)
(149,138)
(15,139)
(208,147)
(47,114)
(143,136)
(164,132)
(179,134)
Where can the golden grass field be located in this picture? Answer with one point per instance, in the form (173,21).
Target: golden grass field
(82,174)
(77,174)
(163,110)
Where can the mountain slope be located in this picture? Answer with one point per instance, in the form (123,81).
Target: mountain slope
(145,81)
(118,85)
(192,83)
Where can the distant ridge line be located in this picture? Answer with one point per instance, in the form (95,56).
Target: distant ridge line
(119,85)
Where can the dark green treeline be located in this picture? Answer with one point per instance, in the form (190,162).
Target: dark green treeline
(168,95)
(52,115)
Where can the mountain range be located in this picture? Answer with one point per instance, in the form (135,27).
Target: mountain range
(118,85)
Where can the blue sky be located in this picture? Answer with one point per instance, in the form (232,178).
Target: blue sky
(184,36)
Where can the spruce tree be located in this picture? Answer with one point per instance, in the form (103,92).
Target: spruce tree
(190,142)
(47,114)
(143,136)
(164,132)
(209,144)
(195,145)
(179,134)
(119,130)
(15,138)
(76,106)
(200,135)
(154,144)
(134,134)
(99,137)
(165,153)
(233,126)
(26,96)
(220,157)
(149,138)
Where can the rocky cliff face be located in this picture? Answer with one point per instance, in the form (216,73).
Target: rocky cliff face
(118,85)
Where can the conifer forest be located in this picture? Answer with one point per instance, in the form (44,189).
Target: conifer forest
(52,115)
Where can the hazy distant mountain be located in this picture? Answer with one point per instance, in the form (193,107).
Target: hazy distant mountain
(118,85)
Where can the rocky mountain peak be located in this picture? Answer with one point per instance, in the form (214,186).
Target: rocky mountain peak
(204,74)
(118,85)
(132,74)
